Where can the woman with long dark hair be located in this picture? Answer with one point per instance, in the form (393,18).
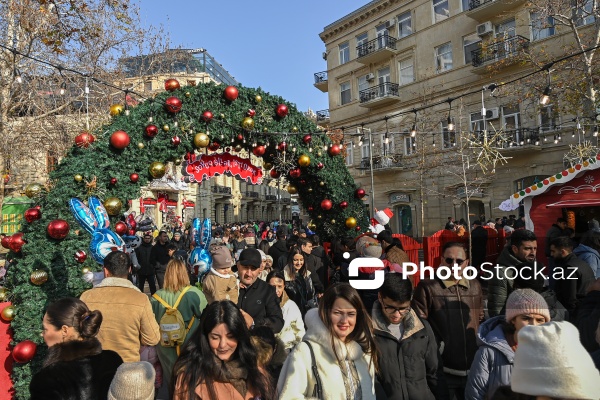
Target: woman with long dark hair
(219,361)
(293,327)
(302,286)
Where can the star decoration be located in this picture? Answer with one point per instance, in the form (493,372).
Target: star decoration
(487,154)
(580,152)
(284,163)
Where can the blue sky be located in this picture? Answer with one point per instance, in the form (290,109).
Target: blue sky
(271,44)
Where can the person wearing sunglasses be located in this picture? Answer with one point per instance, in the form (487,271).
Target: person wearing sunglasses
(401,335)
(454,308)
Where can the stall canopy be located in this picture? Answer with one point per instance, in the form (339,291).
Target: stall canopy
(13,209)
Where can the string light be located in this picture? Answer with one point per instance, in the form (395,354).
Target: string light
(413,131)
(450,121)
(545,99)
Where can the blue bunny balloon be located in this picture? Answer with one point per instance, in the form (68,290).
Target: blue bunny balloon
(200,259)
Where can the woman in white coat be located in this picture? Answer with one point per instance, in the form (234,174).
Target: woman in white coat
(293,327)
(340,334)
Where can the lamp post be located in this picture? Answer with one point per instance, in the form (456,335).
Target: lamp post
(371,170)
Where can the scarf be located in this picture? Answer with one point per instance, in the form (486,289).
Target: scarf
(234,373)
(351,381)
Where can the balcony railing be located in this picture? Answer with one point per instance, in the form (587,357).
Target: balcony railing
(382,162)
(286,200)
(322,115)
(271,197)
(382,90)
(381,42)
(473,4)
(320,77)
(499,50)
(221,189)
(252,194)
(513,138)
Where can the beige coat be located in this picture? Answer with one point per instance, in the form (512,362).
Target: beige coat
(217,287)
(127,318)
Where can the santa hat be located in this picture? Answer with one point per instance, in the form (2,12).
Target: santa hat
(383,216)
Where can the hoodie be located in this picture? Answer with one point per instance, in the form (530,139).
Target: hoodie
(590,256)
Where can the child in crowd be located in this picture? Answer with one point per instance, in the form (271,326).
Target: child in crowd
(220,283)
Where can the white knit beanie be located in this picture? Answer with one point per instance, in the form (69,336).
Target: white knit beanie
(133,381)
(551,361)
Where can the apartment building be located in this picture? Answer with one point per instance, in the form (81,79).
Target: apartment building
(393,66)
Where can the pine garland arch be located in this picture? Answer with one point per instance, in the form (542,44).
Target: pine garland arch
(326,177)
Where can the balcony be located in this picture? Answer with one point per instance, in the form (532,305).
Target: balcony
(506,51)
(376,50)
(323,116)
(382,163)
(380,95)
(321,81)
(515,139)
(221,191)
(484,10)
(286,200)
(271,197)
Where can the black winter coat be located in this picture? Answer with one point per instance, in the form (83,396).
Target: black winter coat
(277,250)
(75,370)
(577,275)
(588,318)
(143,254)
(408,366)
(261,302)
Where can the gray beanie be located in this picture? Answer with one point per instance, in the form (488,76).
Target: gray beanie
(133,381)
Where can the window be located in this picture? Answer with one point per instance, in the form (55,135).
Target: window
(404,25)
(360,41)
(363,84)
(477,122)
(470,43)
(549,119)
(440,10)
(349,153)
(541,28)
(410,145)
(387,148)
(344,53)
(466,6)
(511,118)
(382,37)
(406,71)
(148,86)
(365,149)
(345,93)
(448,137)
(443,57)
(584,14)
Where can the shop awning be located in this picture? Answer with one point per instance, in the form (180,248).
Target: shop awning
(575,203)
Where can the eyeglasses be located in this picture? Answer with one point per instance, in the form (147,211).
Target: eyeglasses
(452,261)
(392,310)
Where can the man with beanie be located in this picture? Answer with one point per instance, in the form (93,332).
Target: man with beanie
(220,283)
(146,271)
(550,361)
(133,381)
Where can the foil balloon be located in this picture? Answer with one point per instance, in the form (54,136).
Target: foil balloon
(95,221)
(200,259)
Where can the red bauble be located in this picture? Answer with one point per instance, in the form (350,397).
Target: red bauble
(84,139)
(320,166)
(121,228)
(251,113)
(311,208)
(131,232)
(175,141)
(80,256)
(6,242)
(32,214)
(230,93)
(151,131)
(214,146)
(240,136)
(307,139)
(259,151)
(326,204)
(357,229)
(171,85)
(334,150)
(58,229)
(119,140)
(274,174)
(295,173)
(113,181)
(24,351)
(303,181)
(207,116)
(281,110)
(134,177)
(360,193)
(282,146)
(344,205)
(16,242)
(173,104)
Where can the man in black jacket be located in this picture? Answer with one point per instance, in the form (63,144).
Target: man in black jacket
(146,271)
(160,257)
(279,248)
(409,353)
(257,299)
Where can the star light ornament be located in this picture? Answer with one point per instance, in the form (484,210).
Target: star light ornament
(284,164)
(487,154)
(578,153)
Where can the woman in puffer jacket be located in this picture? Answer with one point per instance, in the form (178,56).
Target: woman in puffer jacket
(497,337)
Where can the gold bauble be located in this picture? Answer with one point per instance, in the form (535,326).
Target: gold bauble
(351,222)
(312,226)
(238,148)
(265,129)
(319,216)
(8,313)
(187,94)
(292,189)
(321,183)
(116,109)
(319,153)
(157,170)
(309,190)
(294,129)
(258,98)
(333,221)
(38,277)
(248,123)
(113,206)
(32,190)
(85,270)
(141,145)
(304,160)
(3,294)
(222,116)
(166,128)
(201,140)
(78,178)
(267,165)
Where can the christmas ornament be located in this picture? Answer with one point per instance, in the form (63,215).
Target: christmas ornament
(134,178)
(295,173)
(131,232)
(320,166)
(166,128)
(487,150)
(311,208)
(151,131)
(304,160)
(292,189)
(140,145)
(360,193)
(281,110)
(258,98)
(80,256)
(207,116)
(248,124)
(321,183)
(3,294)
(230,93)
(267,165)
(251,113)
(188,94)
(282,146)
(357,229)
(326,204)
(320,216)
(171,85)
(113,206)
(157,170)
(38,277)
(116,109)
(33,190)
(319,153)
(333,222)
(32,214)
(16,242)
(311,226)
(344,205)
(119,140)
(175,141)
(307,139)
(173,105)
(78,178)
(85,270)
(259,151)
(113,181)
(238,148)
(121,228)
(214,146)
(310,190)
(334,150)
(351,222)
(24,352)
(201,140)
(58,229)
(6,242)
(8,313)
(274,174)
(84,139)
(295,129)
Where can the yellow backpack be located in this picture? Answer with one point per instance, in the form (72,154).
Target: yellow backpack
(172,327)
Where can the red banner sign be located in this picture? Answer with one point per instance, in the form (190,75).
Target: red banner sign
(207,166)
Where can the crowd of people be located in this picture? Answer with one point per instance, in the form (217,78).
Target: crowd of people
(277,319)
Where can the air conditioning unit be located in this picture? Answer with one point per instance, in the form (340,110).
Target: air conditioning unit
(485,29)
(390,24)
(492,113)
(370,76)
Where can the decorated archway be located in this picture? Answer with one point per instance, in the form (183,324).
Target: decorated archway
(187,125)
